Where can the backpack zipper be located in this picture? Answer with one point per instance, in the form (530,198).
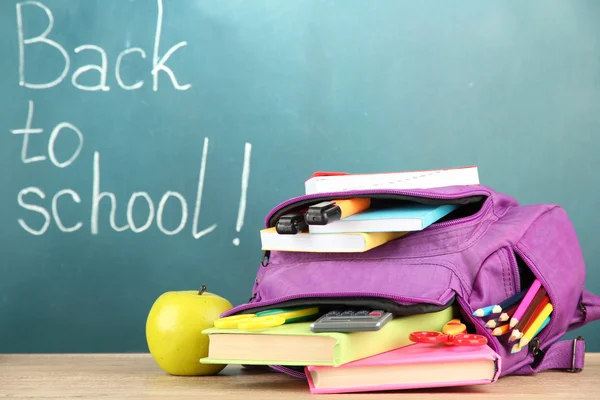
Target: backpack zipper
(266,258)
(400,300)
(415,196)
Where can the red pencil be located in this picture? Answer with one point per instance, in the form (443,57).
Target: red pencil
(536,312)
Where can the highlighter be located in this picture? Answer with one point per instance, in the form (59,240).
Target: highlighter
(329,211)
(291,224)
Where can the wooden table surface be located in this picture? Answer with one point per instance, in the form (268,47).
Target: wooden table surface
(130,376)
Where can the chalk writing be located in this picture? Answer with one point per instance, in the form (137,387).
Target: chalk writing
(150,217)
(55,214)
(55,132)
(102,69)
(41,211)
(120,57)
(26,132)
(42,38)
(159,63)
(245,178)
(211,228)
(33,207)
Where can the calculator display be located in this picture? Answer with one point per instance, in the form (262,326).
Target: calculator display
(351,321)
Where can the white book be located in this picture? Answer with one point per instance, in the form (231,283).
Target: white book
(394,180)
(334,243)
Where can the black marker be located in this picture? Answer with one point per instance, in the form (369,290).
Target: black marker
(323,213)
(291,224)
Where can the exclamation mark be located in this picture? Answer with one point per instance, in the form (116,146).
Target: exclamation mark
(245,178)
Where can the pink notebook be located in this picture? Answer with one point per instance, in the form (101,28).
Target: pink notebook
(412,367)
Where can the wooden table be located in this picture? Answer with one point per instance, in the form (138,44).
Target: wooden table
(129,376)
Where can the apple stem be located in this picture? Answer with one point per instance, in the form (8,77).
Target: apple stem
(202,289)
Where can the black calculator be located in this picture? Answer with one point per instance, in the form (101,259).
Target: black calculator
(351,321)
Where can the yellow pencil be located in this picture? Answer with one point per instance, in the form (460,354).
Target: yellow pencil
(535,326)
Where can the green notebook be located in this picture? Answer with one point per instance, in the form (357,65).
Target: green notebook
(296,344)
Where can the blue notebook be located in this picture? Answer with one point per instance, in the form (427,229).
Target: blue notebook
(405,218)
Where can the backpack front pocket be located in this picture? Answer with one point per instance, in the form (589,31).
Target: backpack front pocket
(402,287)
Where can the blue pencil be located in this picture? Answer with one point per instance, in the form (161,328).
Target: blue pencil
(497,308)
(511,301)
(482,312)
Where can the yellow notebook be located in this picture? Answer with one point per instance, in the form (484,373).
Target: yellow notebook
(296,344)
(325,242)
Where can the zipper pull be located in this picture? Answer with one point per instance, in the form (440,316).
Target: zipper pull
(582,308)
(538,354)
(265,259)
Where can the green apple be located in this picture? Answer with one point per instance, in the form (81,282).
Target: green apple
(174,330)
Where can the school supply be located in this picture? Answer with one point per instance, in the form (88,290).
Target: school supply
(517,347)
(501,330)
(404,218)
(492,323)
(411,367)
(344,182)
(291,224)
(538,310)
(525,303)
(351,321)
(295,344)
(484,311)
(507,314)
(537,299)
(511,302)
(453,333)
(539,320)
(533,332)
(498,308)
(537,304)
(266,319)
(488,250)
(329,243)
(329,211)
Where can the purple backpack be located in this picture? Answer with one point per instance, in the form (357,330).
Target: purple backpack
(484,252)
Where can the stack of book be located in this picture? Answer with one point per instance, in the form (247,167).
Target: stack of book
(363,223)
(383,356)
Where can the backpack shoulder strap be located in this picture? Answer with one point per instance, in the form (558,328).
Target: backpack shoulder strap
(568,355)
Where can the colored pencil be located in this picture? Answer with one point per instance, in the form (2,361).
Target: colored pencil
(538,310)
(501,330)
(535,286)
(505,316)
(498,308)
(515,335)
(510,302)
(537,325)
(482,312)
(515,349)
(540,297)
(526,339)
(491,323)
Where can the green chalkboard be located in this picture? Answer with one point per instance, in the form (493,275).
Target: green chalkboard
(143,142)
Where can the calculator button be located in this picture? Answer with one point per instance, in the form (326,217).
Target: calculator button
(347,313)
(376,313)
(332,313)
(362,313)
